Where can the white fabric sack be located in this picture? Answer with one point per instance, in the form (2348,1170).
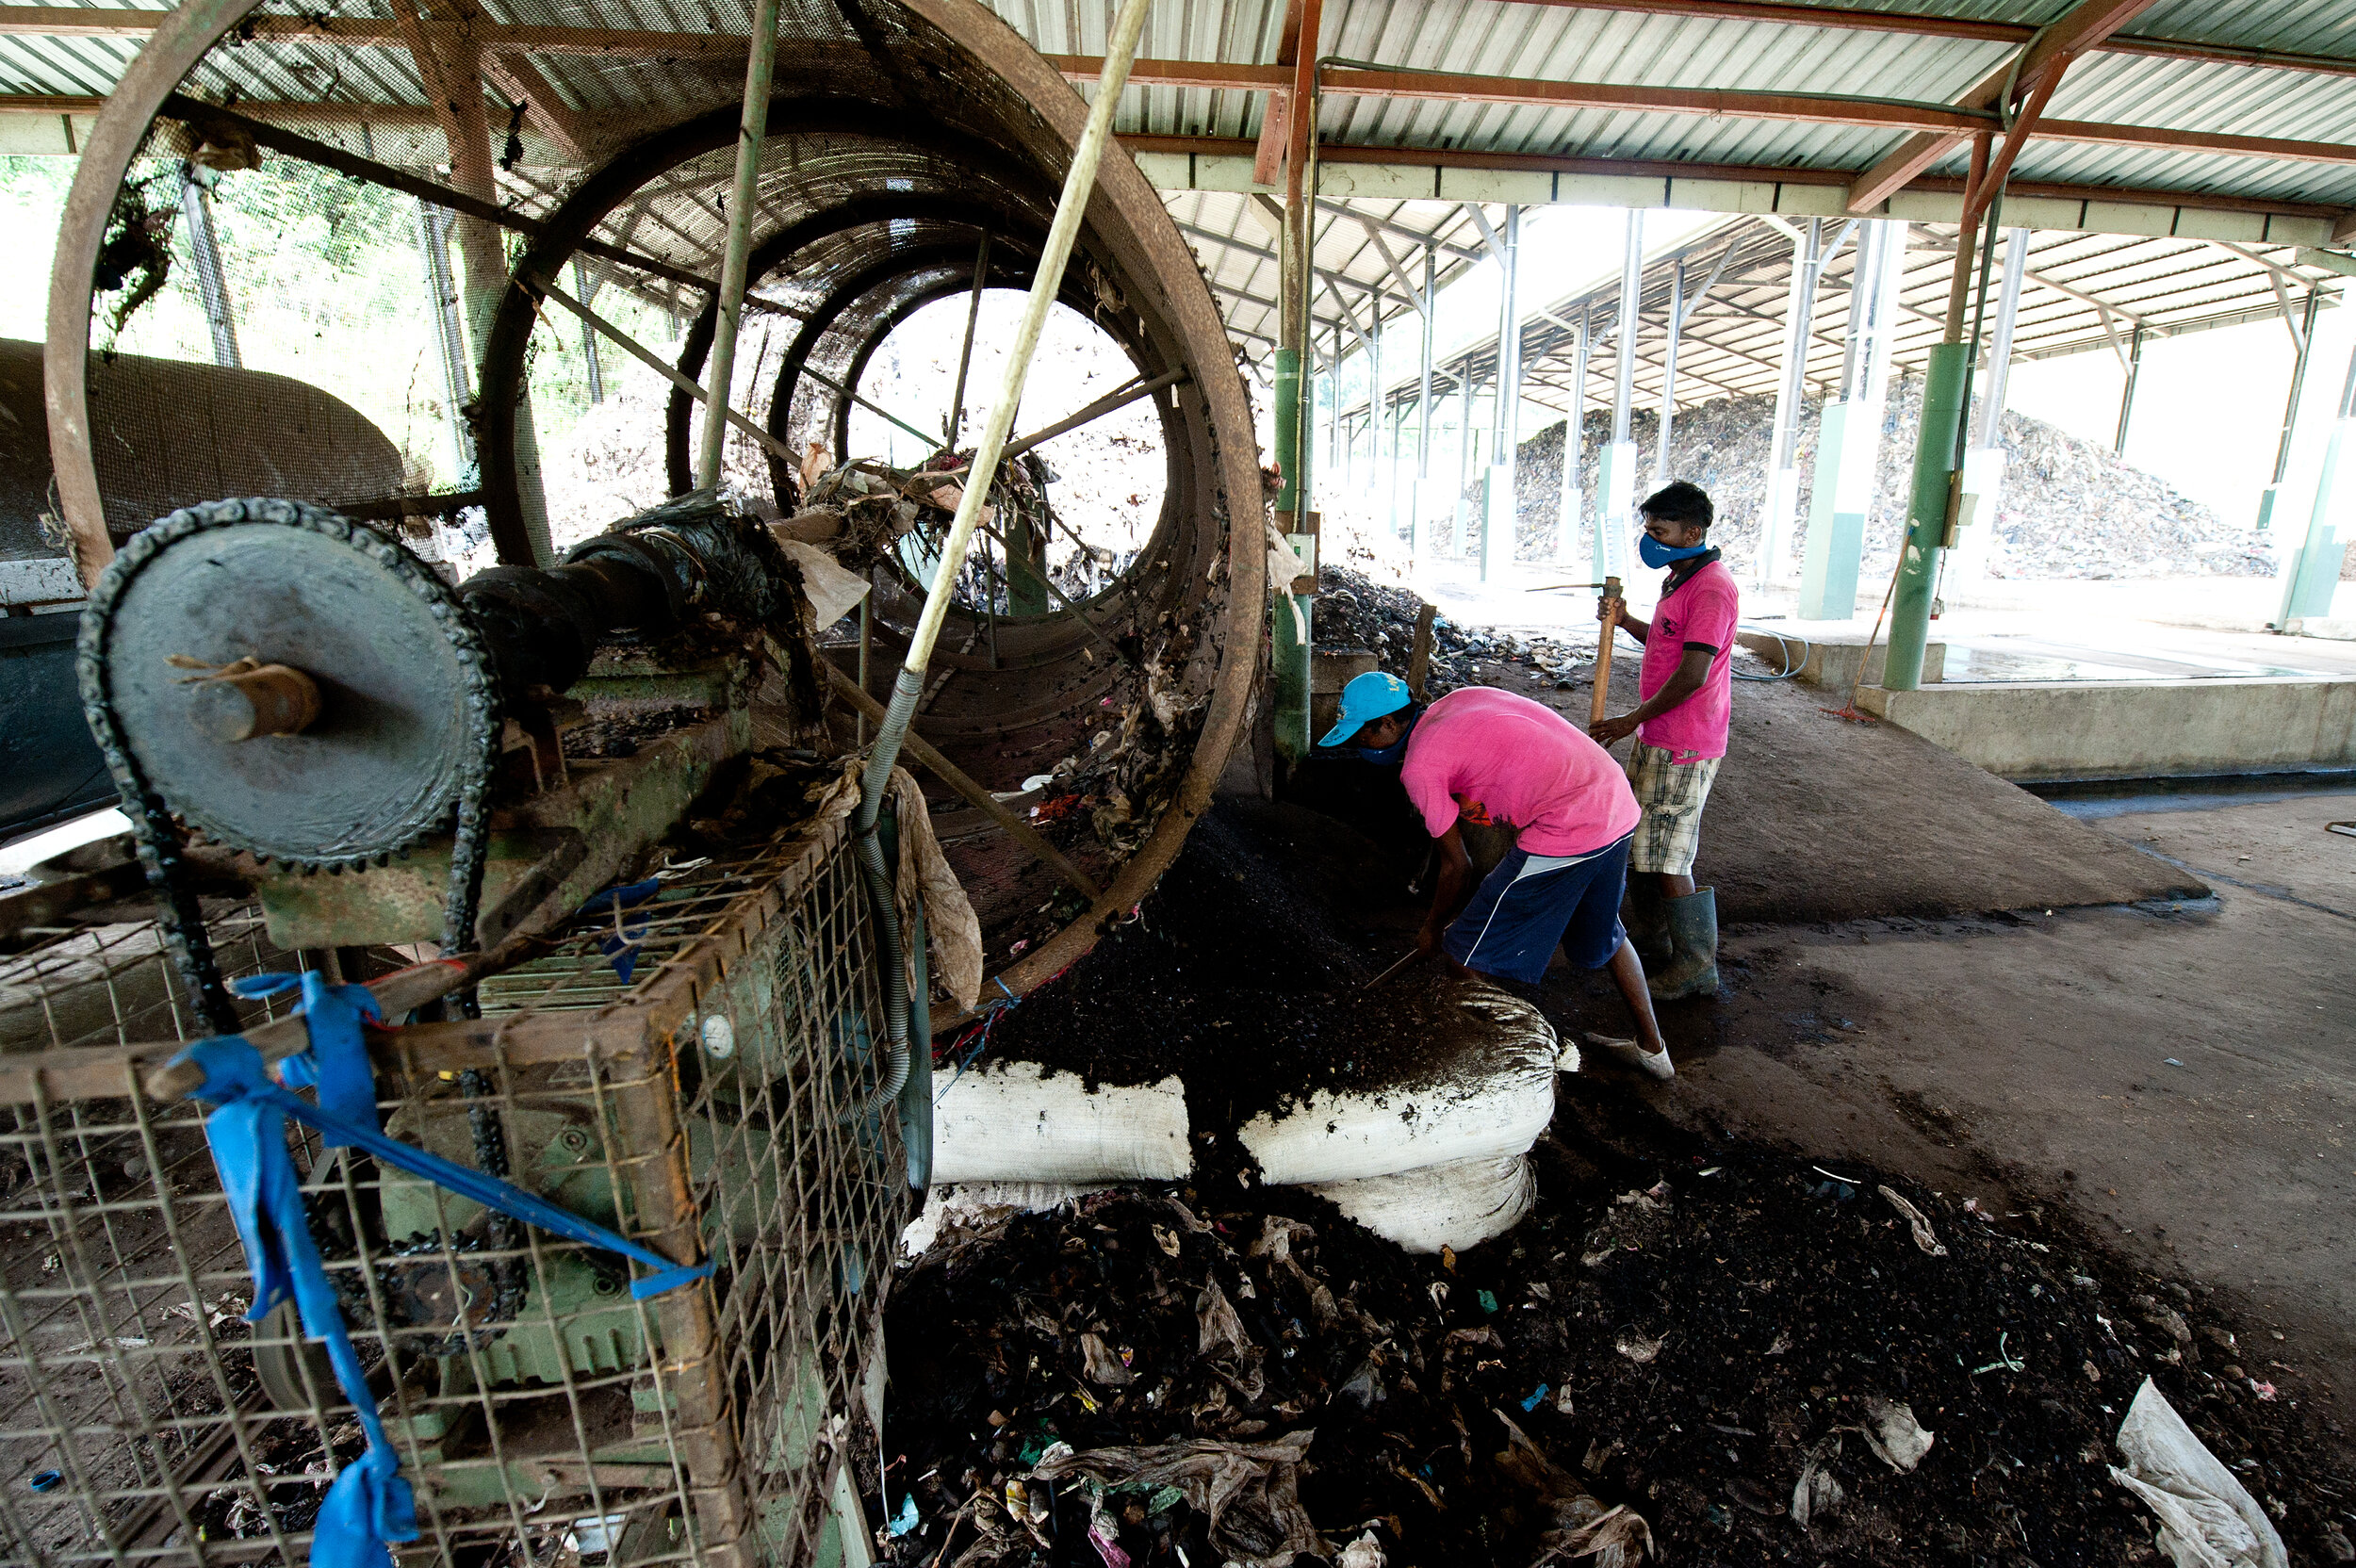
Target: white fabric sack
(962,1209)
(1011,1121)
(1494,1100)
(2207,1518)
(1459,1205)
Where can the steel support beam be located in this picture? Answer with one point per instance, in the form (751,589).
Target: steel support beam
(212,284)
(2083,26)
(1419,498)
(450,65)
(442,299)
(2312,574)
(1574,433)
(1462,543)
(1290,624)
(1984,459)
(1849,435)
(2305,338)
(2127,394)
(1499,512)
(1783,471)
(1669,374)
(635,43)
(1616,489)
(745,206)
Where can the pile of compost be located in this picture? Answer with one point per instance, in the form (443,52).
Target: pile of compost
(1702,1335)
(1737,1354)
(1245,970)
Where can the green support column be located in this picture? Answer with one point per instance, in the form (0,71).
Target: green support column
(1926,517)
(2311,578)
(1289,673)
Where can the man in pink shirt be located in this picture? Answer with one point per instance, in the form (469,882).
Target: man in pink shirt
(1686,687)
(1491,758)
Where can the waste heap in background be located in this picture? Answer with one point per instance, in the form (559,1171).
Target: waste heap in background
(2070,507)
(1356,612)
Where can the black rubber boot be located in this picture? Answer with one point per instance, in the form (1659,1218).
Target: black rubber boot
(1692,968)
(1647,919)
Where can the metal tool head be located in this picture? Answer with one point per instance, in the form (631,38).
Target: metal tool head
(402,689)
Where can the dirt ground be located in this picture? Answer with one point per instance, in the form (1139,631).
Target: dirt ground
(1939,973)
(2116,1043)
(2185,1081)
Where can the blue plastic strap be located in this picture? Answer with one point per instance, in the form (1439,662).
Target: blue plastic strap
(622,949)
(226,1079)
(337,1061)
(369,1503)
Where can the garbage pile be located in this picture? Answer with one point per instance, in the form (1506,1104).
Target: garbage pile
(1756,1358)
(1353,611)
(1729,1355)
(1125,1380)
(2070,508)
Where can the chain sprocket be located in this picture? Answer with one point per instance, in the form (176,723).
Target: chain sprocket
(166,587)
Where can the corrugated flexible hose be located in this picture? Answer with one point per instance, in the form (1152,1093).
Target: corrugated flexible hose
(874,783)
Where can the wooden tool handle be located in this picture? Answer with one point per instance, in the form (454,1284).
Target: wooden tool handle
(1603,652)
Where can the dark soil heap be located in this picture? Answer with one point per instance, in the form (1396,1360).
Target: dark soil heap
(1685,1332)
(1244,972)
(1687,1328)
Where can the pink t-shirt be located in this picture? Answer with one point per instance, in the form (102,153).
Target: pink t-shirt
(1492,757)
(1703,609)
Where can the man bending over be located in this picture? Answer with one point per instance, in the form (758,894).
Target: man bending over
(1488,757)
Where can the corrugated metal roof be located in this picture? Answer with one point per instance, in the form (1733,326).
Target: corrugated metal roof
(1732,343)
(613,98)
(1574,43)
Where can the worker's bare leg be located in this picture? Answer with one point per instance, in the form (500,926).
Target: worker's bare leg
(1628,973)
(1674,885)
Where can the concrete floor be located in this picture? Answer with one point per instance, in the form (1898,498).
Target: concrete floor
(2061,629)
(2184,1081)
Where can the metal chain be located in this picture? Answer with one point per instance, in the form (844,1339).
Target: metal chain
(158,838)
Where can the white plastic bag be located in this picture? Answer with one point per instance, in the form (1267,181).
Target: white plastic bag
(963,1209)
(1012,1121)
(2207,1518)
(1460,1204)
(1494,1100)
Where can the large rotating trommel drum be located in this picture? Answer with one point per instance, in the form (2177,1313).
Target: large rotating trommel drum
(900,136)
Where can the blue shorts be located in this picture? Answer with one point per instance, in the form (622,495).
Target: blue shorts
(1521,912)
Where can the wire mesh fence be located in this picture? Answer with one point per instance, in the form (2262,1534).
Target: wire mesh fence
(696,1071)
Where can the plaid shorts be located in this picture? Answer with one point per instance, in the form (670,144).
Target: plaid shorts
(1672,795)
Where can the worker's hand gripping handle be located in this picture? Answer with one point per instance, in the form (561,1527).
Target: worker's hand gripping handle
(1609,605)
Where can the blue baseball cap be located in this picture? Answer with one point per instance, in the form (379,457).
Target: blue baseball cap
(1369,697)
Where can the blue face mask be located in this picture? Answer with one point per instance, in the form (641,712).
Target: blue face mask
(1391,755)
(1656,554)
